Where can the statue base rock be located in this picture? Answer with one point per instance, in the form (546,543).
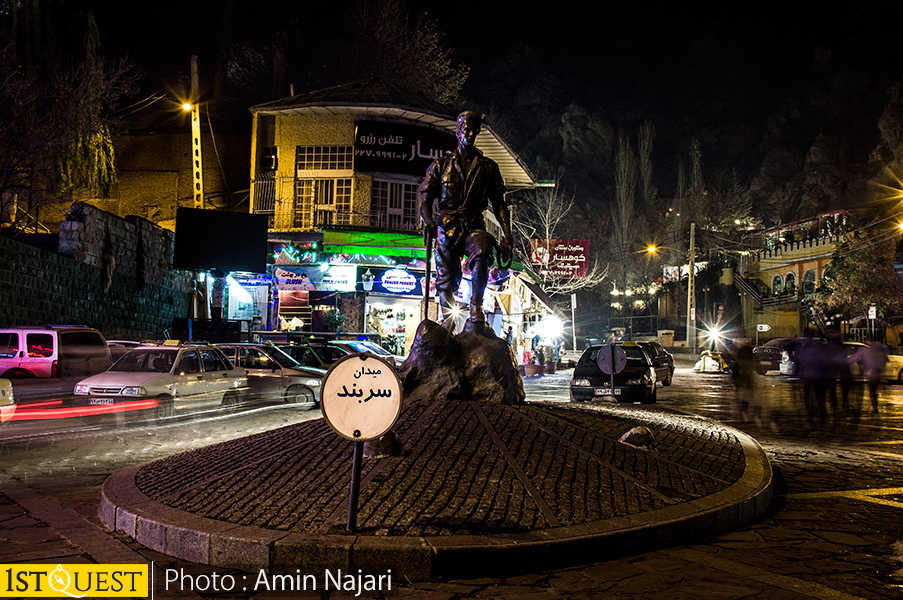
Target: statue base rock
(472,365)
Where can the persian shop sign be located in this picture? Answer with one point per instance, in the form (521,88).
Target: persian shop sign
(397,148)
(560,258)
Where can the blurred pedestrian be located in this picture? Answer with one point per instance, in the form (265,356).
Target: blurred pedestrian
(509,336)
(842,373)
(871,360)
(742,368)
(815,372)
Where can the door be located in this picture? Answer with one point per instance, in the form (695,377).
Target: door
(216,374)
(39,354)
(189,385)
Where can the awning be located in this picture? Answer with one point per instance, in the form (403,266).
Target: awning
(376,98)
(543,297)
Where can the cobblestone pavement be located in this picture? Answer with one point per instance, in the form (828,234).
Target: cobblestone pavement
(831,532)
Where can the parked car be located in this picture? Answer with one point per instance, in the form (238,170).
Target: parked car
(318,355)
(635,383)
(769,355)
(372,347)
(171,377)
(65,351)
(711,362)
(273,374)
(893,370)
(120,347)
(7,401)
(662,360)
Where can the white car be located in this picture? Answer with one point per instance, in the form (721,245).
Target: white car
(164,379)
(274,375)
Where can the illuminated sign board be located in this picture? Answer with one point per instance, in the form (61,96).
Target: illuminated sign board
(398,148)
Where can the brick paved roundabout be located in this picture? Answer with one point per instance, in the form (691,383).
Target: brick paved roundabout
(482,490)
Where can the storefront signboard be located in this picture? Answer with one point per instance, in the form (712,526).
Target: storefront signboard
(397,148)
(561,258)
(398,281)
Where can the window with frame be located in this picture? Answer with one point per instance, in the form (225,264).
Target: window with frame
(809,281)
(777,284)
(322,202)
(324,158)
(790,283)
(394,205)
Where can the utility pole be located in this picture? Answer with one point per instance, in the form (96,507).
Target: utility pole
(691,292)
(198,179)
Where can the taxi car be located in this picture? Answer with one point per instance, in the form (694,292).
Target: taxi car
(634,383)
(172,376)
(273,374)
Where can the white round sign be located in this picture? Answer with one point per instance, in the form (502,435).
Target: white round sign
(361,397)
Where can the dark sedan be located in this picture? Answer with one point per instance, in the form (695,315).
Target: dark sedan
(634,383)
(768,355)
(662,360)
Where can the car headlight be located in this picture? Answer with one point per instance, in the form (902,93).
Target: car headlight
(82,389)
(136,390)
(581,383)
(312,383)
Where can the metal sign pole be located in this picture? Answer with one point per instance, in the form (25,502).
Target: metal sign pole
(356,459)
(429,260)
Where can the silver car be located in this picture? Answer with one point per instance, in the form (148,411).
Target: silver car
(274,375)
(164,379)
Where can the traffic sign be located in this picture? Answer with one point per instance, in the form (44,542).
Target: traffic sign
(361,397)
(873,312)
(611,359)
(763,327)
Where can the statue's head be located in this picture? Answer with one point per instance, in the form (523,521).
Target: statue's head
(468,127)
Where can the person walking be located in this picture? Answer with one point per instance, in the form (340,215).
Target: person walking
(871,360)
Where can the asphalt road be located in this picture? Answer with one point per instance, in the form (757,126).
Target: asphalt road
(832,532)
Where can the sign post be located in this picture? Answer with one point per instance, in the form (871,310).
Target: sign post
(761,327)
(611,360)
(361,400)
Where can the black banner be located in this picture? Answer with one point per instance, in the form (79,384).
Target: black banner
(396,148)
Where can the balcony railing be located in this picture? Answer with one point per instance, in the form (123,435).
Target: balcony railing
(265,193)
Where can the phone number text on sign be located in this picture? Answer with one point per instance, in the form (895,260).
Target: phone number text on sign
(361,397)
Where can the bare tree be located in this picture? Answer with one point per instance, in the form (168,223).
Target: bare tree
(623,226)
(645,138)
(539,216)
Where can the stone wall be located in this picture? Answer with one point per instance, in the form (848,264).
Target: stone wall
(137,299)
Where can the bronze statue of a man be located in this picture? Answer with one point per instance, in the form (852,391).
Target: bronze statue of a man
(462,184)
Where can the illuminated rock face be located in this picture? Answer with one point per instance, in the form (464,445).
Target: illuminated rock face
(473,365)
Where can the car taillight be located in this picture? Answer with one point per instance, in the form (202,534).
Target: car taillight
(55,369)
